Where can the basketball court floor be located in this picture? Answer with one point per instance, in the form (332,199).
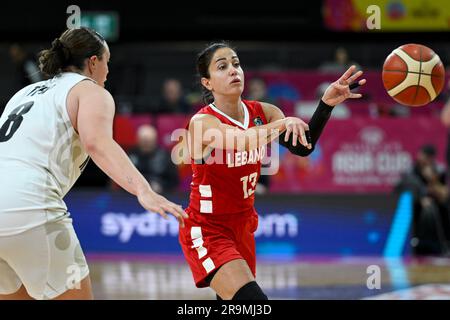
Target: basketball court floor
(168,278)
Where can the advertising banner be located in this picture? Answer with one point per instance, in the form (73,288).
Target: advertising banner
(288,225)
(359,155)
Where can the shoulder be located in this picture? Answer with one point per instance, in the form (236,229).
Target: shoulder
(205,114)
(25,90)
(268,106)
(204,119)
(89,91)
(87,86)
(272,112)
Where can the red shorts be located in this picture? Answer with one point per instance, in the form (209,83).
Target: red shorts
(210,241)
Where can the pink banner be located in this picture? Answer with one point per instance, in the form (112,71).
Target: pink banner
(359,155)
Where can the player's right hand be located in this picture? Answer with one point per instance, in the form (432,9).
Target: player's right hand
(297,127)
(154,202)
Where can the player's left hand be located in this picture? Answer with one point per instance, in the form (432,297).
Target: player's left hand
(154,202)
(339,91)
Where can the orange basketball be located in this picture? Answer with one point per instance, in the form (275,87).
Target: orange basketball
(413,75)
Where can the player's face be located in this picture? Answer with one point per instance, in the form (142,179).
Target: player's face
(226,75)
(100,69)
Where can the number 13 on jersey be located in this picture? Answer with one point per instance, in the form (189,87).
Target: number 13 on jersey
(249,184)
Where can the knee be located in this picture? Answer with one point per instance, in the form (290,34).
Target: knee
(250,291)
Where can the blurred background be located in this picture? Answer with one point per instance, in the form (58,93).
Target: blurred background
(374,192)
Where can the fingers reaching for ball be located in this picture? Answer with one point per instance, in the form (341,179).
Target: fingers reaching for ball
(339,91)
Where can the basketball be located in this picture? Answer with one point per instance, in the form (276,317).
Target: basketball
(413,75)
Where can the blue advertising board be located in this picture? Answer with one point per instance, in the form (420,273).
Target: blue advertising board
(289,225)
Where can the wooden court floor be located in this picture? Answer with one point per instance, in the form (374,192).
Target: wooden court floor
(168,278)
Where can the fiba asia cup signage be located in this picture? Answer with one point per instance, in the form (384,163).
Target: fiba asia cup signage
(359,155)
(369,160)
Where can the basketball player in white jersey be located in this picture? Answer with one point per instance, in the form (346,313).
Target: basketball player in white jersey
(48,132)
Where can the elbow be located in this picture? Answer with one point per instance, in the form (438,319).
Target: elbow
(91,146)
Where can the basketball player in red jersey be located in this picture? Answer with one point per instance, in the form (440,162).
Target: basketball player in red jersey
(218,240)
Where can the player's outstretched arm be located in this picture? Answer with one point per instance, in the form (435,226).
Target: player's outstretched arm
(95,127)
(336,93)
(207,131)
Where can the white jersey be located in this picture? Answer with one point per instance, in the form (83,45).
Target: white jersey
(41,155)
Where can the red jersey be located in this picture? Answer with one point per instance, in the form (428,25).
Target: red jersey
(228,187)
